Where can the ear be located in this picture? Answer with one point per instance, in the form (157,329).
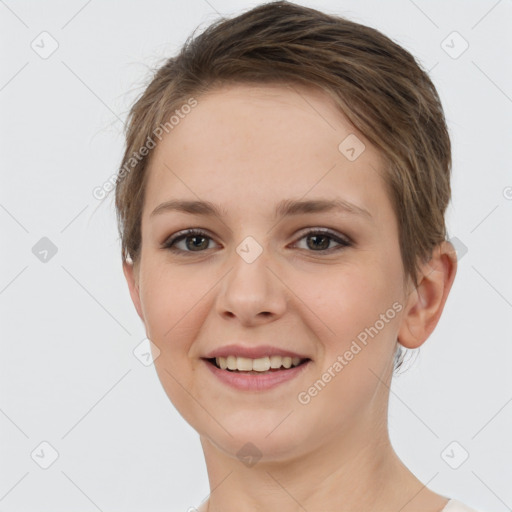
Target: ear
(426,302)
(131,273)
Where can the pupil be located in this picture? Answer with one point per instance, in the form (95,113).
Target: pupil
(198,246)
(323,246)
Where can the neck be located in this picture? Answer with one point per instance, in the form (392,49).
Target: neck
(347,472)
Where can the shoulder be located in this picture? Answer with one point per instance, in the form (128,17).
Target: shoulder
(457,506)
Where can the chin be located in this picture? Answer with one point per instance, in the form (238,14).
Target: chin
(270,439)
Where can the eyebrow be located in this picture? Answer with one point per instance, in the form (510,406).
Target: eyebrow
(286,207)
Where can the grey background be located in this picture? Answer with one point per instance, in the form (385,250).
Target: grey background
(69,376)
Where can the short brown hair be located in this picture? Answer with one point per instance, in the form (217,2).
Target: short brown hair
(376,83)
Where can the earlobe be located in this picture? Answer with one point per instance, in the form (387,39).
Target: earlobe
(132,278)
(426,302)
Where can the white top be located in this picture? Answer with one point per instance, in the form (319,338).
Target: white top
(457,506)
(451,506)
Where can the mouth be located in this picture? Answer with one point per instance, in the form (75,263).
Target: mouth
(260,366)
(256,375)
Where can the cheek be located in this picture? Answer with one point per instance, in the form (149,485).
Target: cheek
(171,309)
(171,312)
(358,354)
(168,297)
(355,304)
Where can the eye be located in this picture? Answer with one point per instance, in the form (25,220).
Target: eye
(321,238)
(198,237)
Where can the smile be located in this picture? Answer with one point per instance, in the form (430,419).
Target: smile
(262,364)
(264,373)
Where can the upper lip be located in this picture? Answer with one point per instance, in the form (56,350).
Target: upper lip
(252,352)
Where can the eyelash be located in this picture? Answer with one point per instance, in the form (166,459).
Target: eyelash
(170,242)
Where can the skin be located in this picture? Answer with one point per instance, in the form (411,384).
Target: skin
(246,148)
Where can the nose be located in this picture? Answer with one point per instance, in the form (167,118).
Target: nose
(252,292)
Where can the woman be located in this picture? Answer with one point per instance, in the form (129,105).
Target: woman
(281,208)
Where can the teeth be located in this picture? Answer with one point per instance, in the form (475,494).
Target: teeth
(275,361)
(262,364)
(244,363)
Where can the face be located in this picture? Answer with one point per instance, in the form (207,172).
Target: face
(324,284)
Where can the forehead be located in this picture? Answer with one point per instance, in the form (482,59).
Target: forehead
(258,144)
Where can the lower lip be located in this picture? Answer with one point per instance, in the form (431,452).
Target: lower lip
(253,382)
